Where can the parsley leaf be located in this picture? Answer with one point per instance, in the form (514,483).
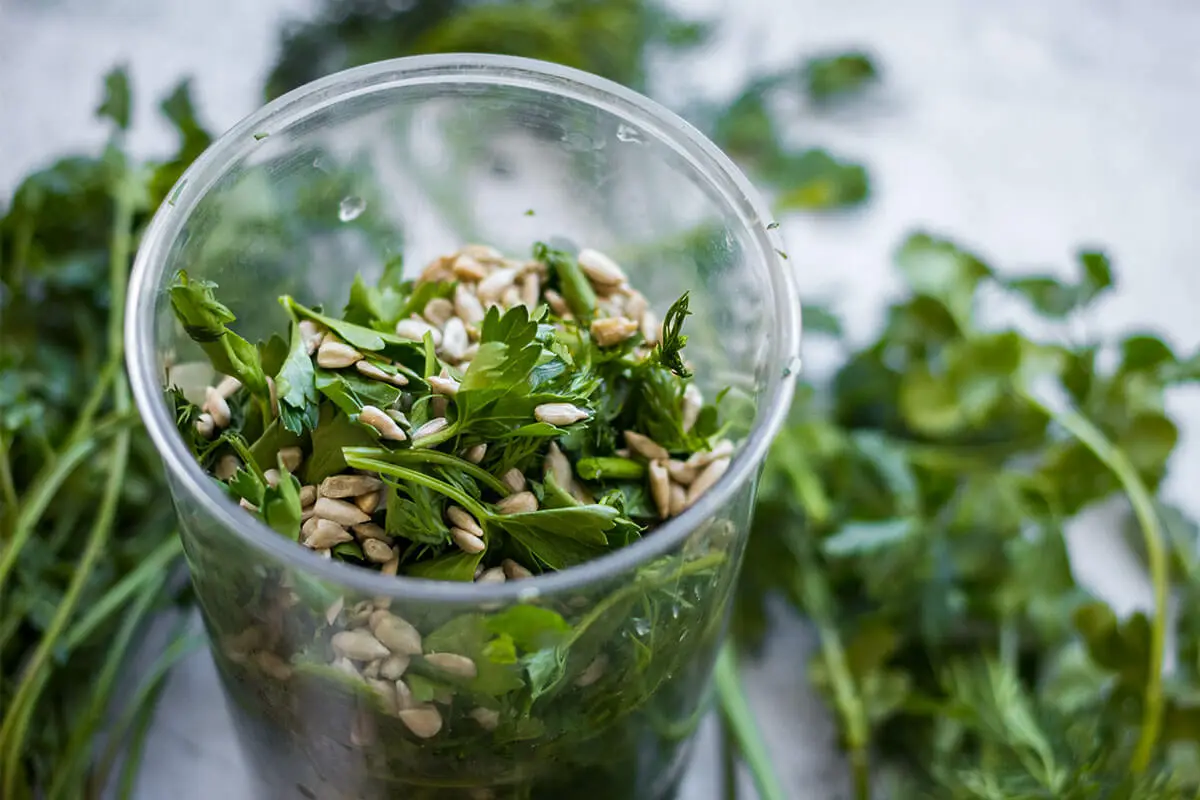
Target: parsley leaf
(295,384)
(205,321)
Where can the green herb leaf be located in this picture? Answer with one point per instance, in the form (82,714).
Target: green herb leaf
(204,319)
(298,399)
(667,352)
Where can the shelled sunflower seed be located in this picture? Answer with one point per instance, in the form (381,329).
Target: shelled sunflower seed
(435,432)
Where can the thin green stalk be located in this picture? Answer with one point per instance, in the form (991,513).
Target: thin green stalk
(181,646)
(48,482)
(742,727)
(71,763)
(424,456)
(729,764)
(8,489)
(136,744)
(1139,496)
(14,729)
(384,468)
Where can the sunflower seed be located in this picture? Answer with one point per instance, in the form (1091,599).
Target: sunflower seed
(487,718)
(702,458)
(311,334)
(692,401)
(560,414)
(469,354)
(346,666)
(358,645)
(531,289)
(493,575)
(431,428)
(636,306)
(681,471)
(216,406)
(359,614)
(387,427)
(396,634)
(372,670)
(678,499)
(514,479)
(455,340)
(438,269)
(324,534)
(514,571)
(437,311)
(557,465)
(273,395)
(467,306)
(385,691)
(651,328)
(375,372)
(227,467)
(246,504)
(369,502)
(453,664)
(369,530)
(404,698)
(511,297)
(519,503)
(705,480)
(333,354)
(228,386)
(415,328)
(475,454)
(334,609)
(600,269)
(273,665)
(557,304)
(291,457)
(393,667)
(593,673)
(491,287)
(339,511)
(377,551)
(646,447)
(308,495)
(612,330)
(272,477)
(660,488)
(469,269)
(363,732)
(338,486)
(424,721)
(466,541)
(482,252)
(460,518)
(443,386)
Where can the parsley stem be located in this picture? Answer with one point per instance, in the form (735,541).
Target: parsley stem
(429,482)
(424,456)
(8,489)
(741,726)
(45,487)
(1115,459)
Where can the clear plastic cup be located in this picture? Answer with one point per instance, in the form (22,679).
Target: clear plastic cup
(413,158)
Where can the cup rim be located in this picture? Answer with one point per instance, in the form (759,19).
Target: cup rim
(724,178)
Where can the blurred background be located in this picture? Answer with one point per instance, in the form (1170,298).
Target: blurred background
(1023,131)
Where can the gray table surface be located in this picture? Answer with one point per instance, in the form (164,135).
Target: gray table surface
(1025,129)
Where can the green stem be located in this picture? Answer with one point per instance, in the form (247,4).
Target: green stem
(49,481)
(420,478)
(424,456)
(1139,496)
(814,595)
(741,726)
(8,489)
(180,647)
(610,469)
(14,729)
(70,765)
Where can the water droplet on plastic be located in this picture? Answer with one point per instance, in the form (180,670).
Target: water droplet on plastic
(641,626)
(351,208)
(627,133)
(321,163)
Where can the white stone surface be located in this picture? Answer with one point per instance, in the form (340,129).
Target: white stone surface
(1022,128)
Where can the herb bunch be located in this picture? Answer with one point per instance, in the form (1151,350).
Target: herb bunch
(914,510)
(87,550)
